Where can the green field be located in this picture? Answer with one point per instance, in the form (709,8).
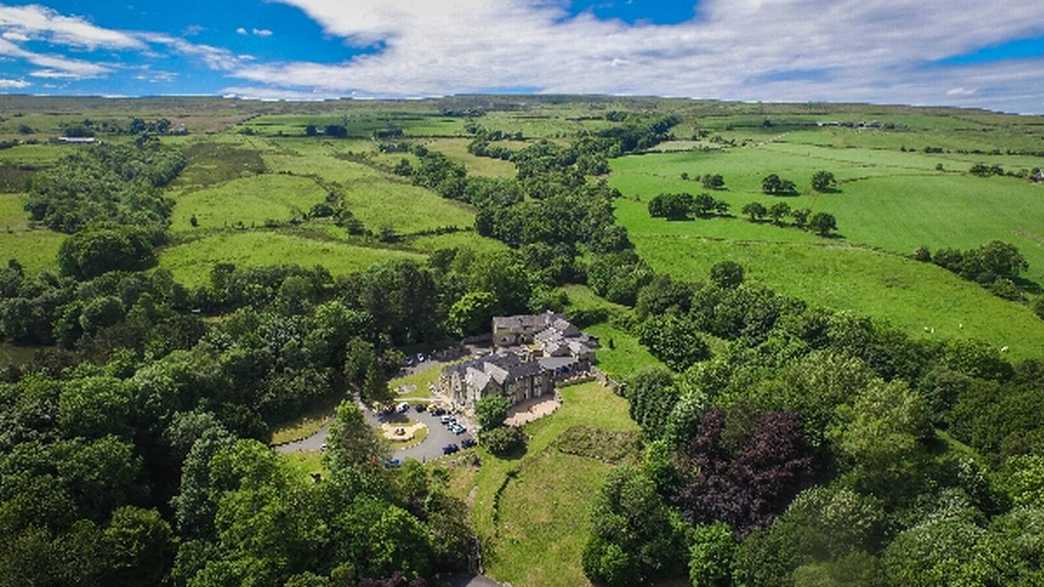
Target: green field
(251,201)
(889,203)
(544,518)
(35,248)
(457,149)
(191,262)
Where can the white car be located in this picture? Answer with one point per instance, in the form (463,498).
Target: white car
(402,408)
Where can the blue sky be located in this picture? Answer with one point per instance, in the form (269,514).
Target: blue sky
(955,52)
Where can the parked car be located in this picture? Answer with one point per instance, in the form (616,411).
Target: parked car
(450,449)
(468,443)
(421,407)
(447,420)
(392,463)
(458,429)
(402,408)
(438,412)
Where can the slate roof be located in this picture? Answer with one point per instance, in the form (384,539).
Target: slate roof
(525,321)
(499,367)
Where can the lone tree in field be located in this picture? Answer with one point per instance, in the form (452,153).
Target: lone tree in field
(779,211)
(824,181)
(755,210)
(774,185)
(713,181)
(823,223)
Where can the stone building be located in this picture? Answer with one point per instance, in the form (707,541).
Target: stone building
(534,352)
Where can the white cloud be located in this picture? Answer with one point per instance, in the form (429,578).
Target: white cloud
(214,57)
(13,84)
(262,32)
(241,31)
(39,21)
(71,68)
(276,94)
(734,49)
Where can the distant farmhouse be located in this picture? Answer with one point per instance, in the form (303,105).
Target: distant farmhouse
(1037,176)
(533,353)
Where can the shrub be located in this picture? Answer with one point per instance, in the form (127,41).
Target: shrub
(824,181)
(1038,307)
(503,441)
(727,274)
(491,411)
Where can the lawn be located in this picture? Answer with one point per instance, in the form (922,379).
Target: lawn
(250,200)
(545,495)
(306,463)
(421,380)
(191,262)
(311,421)
(620,355)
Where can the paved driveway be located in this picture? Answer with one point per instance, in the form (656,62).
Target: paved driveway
(430,448)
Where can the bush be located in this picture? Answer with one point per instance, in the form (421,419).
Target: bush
(93,252)
(491,411)
(1038,307)
(824,181)
(503,441)
(1006,288)
(727,274)
(711,556)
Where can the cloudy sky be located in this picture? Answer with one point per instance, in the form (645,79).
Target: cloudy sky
(953,52)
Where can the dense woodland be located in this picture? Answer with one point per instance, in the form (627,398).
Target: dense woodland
(815,448)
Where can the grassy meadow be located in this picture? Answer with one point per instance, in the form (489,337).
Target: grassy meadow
(888,203)
(34,247)
(191,262)
(543,509)
(250,200)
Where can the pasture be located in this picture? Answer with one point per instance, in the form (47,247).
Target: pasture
(36,249)
(250,201)
(191,262)
(888,203)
